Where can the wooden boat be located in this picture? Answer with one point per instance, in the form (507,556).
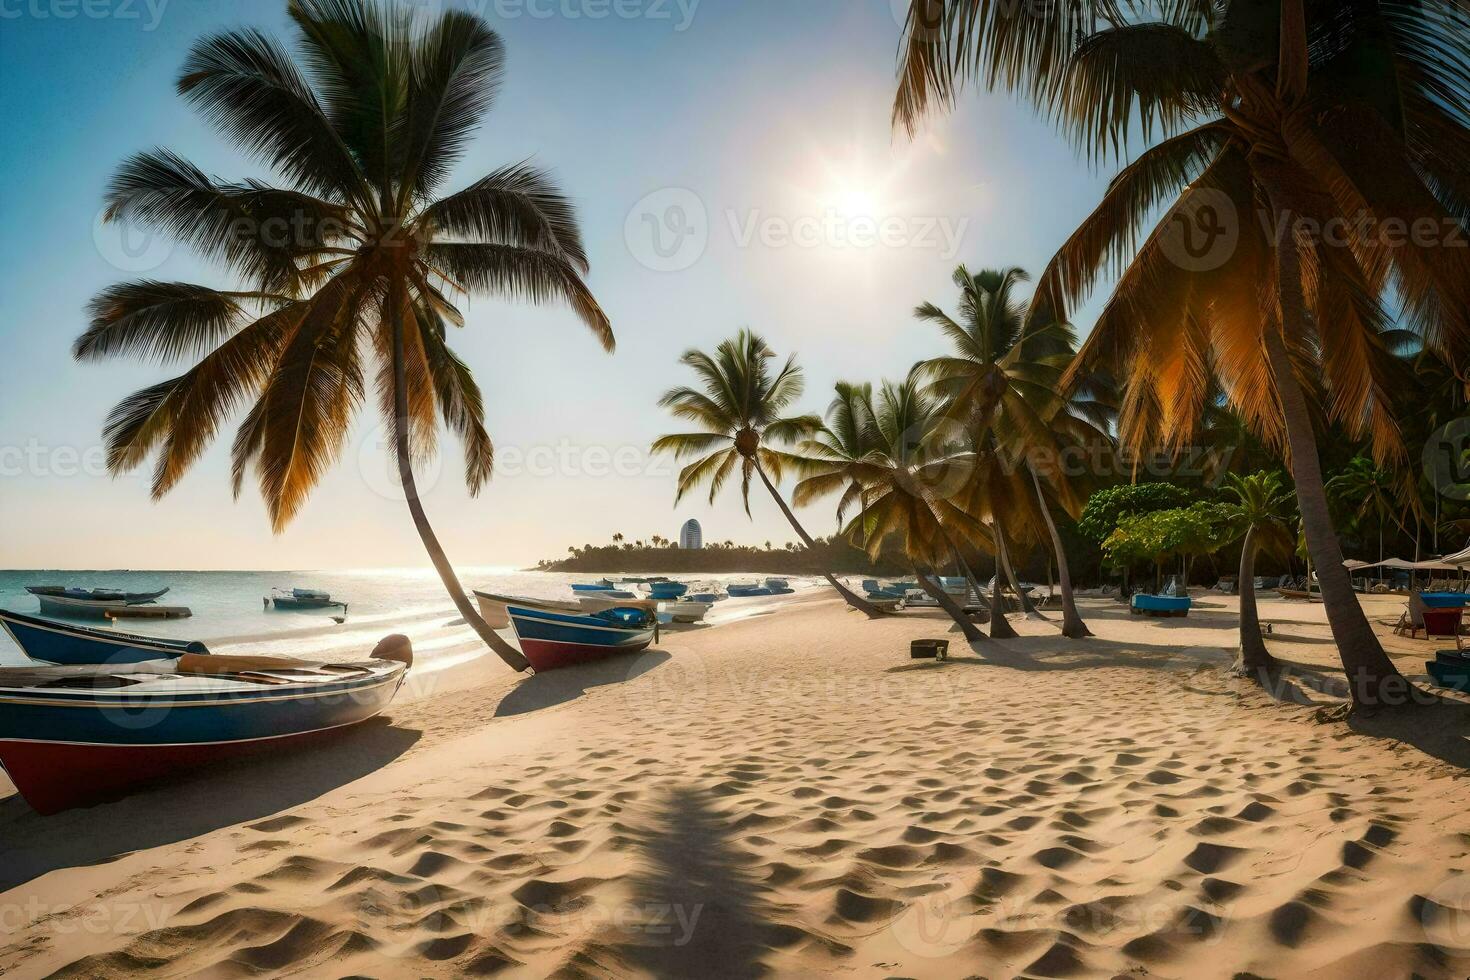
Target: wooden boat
(686,610)
(62,643)
(667,590)
(493,607)
(740,591)
(1160,605)
(1314,595)
(603,601)
(148,612)
(553,640)
(70,736)
(57,600)
(298,599)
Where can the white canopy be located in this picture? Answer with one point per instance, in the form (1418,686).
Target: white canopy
(1449,563)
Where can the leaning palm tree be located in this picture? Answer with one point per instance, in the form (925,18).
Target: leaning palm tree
(350,268)
(1267,120)
(1000,380)
(907,473)
(1265,517)
(739,407)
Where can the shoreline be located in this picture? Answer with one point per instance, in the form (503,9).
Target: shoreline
(810,800)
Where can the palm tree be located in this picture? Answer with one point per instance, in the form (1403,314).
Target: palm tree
(1001,381)
(901,465)
(739,407)
(353,265)
(1367,492)
(1265,518)
(1336,116)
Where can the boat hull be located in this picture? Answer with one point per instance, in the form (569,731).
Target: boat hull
(71,747)
(552,642)
(59,643)
(1160,605)
(493,607)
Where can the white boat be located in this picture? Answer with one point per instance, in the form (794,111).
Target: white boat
(686,610)
(493,607)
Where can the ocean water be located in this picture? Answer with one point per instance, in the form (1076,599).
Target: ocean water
(230,617)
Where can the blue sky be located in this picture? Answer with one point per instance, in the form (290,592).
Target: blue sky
(750,136)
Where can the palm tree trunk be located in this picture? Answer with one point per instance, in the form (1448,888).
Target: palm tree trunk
(1367,667)
(1000,627)
(1072,623)
(937,593)
(1004,554)
(1254,659)
(512,657)
(861,605)
(964,568)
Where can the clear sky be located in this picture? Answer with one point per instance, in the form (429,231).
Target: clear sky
(733,166)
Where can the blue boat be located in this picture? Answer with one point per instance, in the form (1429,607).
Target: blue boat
(551,640)
(57,600)
(1452,672)
(62,643)
(1445,600)
(667,590)
(746,591)
(592,587)
(76,735)
(1160,605)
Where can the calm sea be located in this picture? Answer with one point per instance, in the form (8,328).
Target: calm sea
(229,614)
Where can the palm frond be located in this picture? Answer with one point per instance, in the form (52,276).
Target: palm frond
(517,205)
(524,274)
(245,83)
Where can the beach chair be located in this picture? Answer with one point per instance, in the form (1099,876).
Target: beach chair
(1433,623)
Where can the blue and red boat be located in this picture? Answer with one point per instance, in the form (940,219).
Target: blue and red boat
(71,736)
(63,643)
(553,640)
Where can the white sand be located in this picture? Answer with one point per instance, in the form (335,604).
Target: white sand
(789,793)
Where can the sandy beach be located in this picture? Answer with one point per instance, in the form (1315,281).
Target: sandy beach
(789,793)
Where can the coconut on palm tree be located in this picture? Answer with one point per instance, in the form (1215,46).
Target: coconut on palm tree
(1000,381)
(1267,121)
(1265,518)
(740,409)
(353,267)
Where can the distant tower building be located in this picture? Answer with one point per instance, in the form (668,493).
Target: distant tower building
(690,536)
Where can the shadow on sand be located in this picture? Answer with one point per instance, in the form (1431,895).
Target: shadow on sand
(231,793)
(556,687)
(706,914)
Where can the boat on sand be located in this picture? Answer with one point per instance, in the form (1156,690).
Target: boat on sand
(552,640)
(71,736)
(51,642)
